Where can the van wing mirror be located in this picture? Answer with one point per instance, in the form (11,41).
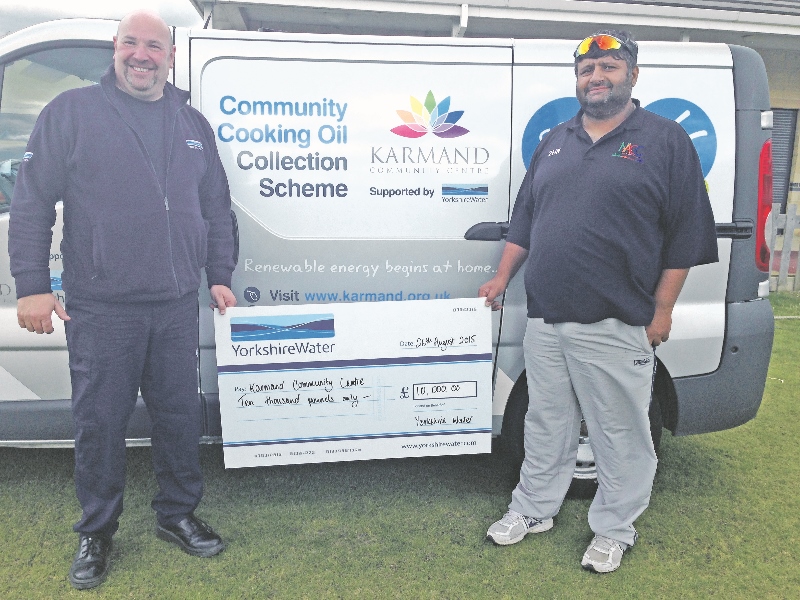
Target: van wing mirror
(487,232)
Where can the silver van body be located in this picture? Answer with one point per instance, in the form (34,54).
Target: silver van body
(346,187)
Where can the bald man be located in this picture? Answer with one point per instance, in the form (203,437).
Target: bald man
(146,207)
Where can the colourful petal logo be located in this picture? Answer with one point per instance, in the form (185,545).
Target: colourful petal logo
(430,116)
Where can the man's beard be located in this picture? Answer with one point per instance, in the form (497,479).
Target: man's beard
(140,85)
(613,104)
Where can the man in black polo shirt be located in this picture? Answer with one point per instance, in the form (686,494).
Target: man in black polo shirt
(611,214)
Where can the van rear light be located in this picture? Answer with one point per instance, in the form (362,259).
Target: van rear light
(764,206)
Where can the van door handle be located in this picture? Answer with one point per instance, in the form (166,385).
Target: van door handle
(493,232)
(487,232)
(738,230)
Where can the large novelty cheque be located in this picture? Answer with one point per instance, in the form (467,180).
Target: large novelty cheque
(334,382)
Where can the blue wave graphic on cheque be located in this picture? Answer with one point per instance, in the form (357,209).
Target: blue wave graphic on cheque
(465,190)
(288,327)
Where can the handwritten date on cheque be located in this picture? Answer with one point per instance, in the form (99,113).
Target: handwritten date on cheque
(442,344)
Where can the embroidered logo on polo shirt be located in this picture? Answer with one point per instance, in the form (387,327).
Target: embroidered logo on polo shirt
(629,151)
(554,152)
(194,144)
(27,156)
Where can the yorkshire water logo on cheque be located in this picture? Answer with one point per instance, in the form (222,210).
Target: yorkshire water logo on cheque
(288,327)
(282,327)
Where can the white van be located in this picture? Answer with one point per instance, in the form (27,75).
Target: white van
(385,169)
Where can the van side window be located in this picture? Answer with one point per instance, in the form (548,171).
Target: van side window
(28,84)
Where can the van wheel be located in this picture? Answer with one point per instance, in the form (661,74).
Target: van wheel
(512,437)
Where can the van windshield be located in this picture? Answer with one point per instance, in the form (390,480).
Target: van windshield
(28,84)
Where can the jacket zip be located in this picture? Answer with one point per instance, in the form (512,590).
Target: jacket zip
(166,200)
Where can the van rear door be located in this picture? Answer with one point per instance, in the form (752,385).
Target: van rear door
(689,83)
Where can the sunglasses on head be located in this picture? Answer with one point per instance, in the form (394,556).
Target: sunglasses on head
(604,42)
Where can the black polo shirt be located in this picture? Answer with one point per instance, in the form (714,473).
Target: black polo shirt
(602,220)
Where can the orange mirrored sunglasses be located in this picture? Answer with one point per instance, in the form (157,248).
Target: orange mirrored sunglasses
(604,42)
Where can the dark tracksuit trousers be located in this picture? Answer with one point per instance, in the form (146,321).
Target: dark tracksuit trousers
(115,349)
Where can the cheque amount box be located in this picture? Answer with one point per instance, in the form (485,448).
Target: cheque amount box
(445,390)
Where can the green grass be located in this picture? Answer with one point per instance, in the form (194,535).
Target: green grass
(724,522)
(785,303)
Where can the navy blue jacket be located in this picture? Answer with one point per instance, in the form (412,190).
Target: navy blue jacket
(123,241)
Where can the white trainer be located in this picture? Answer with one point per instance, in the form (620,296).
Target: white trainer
(603,555)
(514,526)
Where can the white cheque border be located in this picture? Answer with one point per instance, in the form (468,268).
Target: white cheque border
(429,443)
(428,418)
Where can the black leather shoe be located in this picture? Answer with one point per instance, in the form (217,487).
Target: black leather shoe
(193,535)
(90,567)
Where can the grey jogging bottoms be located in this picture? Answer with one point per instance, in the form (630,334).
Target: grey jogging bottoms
(603,370)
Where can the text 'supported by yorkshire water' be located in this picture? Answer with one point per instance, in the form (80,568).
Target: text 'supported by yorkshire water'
(332,382)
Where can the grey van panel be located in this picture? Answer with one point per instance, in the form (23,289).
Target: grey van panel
(49,422)
(751,92)
(211,415)
(750,83)
(731,395)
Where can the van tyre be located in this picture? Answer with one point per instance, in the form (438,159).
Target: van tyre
(512,438)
